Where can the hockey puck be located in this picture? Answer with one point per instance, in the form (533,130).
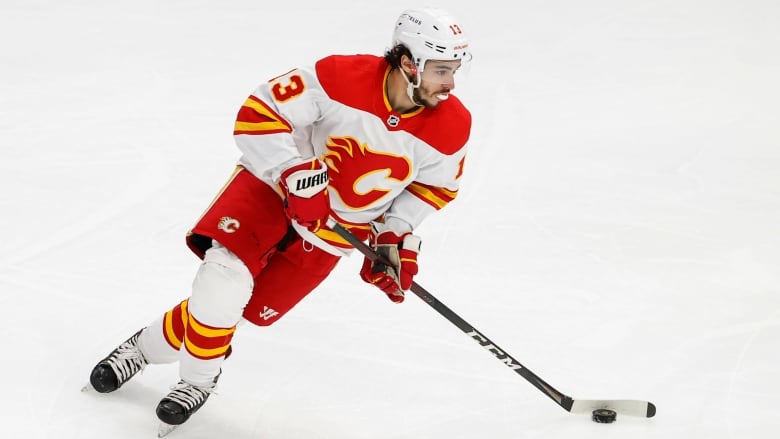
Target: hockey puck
(604,416)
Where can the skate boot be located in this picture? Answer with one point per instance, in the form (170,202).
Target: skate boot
(119,366)
(183,401)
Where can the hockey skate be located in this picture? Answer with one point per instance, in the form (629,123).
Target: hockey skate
(182,402)
(118,367)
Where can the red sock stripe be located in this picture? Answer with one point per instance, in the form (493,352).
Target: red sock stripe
(174,324)
(207,342)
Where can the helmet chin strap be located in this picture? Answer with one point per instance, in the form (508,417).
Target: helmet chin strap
(411,86)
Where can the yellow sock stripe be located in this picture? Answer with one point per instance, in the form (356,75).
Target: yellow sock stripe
(198,334)
(185,314)
(205,353)
(170,332)
(205,331)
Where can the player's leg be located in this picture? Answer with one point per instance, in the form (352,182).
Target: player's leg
(248,218)
(238,234)
(290,276)
(220,292)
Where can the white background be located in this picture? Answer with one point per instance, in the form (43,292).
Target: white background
(617,229)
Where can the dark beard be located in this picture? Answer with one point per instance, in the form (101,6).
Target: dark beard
(419,101)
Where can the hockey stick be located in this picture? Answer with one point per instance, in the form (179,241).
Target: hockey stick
(579,406)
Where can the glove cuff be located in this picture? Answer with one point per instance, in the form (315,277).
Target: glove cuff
(306,179)
(410,243)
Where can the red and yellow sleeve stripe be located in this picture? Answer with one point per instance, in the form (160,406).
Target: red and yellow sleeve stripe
(256,117)
(437,197)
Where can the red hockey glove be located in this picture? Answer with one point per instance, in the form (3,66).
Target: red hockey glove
(400,253)
(305,189)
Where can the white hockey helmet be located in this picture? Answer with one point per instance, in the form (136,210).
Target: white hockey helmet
(431,33)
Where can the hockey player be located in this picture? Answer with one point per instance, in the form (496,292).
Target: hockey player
(374,143)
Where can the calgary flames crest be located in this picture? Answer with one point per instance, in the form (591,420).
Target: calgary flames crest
(362,176)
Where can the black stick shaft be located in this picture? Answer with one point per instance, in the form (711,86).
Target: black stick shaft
(559,398)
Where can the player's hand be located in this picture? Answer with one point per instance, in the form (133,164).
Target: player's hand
(398,265)
(306,198)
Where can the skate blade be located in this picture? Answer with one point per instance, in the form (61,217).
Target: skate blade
(88,388)
(164,429)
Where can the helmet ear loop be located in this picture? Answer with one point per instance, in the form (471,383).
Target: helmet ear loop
(411,86)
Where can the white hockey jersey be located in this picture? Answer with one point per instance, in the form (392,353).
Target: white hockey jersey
(386,166)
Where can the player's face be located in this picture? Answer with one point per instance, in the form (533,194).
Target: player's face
(438,80)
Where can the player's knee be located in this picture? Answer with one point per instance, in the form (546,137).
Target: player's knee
(221,289)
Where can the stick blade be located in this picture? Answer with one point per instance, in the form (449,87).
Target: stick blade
(629,407)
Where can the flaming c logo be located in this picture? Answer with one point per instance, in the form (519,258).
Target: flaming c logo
(362,176)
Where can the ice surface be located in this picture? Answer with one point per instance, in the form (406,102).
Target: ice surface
(618,230)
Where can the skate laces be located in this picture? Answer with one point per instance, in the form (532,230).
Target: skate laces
(189,396)
(127,360)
